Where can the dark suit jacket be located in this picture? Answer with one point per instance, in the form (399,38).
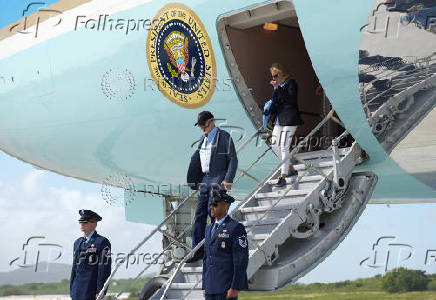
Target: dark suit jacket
(226,258)
(91,267)
(285,104)
(223,159)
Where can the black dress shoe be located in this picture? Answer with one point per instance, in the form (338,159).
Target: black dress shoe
(197,256)
(281,182)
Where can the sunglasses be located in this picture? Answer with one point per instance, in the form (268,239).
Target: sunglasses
(85,222)
(275,76)
(214,204)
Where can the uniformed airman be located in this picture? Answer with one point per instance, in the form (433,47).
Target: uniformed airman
(92,259)
(226,252)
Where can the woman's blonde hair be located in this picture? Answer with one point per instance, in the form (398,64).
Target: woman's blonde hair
(281,70)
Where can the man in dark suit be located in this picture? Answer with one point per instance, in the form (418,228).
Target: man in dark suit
(92,259)
(226,253)
(212,166)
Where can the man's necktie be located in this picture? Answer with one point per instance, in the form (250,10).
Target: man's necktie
(215,226)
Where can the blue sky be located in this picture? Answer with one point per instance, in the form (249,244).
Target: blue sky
(12,11)
(41,203)
(35,202)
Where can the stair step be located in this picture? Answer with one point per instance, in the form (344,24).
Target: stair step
(307,186)
(266,221)
(186,286)
(289,180)
(258,237)
(279,193)
(184,294)
(264,208)
(322,153)
(323,163)
(192,269)
(289,203)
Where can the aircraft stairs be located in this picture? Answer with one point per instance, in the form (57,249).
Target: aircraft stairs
(286,234)
(290,229)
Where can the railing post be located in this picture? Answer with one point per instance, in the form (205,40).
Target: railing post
(338,179)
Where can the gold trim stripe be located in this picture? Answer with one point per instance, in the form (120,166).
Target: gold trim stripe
(63,6)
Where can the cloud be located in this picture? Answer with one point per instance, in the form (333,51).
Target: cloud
(31,207)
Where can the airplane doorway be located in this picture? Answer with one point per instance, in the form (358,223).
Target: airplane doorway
(250,47)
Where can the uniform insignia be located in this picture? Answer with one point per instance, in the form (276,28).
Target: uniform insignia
(223,235)
(243,241)
(107,251)
(223,245)
(180,56)
(224,230)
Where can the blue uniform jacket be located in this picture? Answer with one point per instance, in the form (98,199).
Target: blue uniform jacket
(91,267)
(226,258)
(223,159)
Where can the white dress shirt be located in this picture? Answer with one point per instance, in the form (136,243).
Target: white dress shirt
(205,152)
(87,238)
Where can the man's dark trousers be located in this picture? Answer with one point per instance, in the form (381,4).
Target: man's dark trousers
(207,185)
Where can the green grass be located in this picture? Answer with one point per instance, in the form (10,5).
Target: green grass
(332,295)
(63,287)
(359,289)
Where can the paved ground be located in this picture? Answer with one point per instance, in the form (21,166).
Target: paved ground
(417,152)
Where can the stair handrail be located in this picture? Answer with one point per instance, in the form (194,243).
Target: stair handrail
(278,199)
(254,191)
(274,172)
(173,275)
(166,219)
(291,154)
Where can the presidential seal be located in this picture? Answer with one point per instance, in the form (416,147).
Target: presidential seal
(180,56)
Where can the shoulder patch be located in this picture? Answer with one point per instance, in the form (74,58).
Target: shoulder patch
(243,241)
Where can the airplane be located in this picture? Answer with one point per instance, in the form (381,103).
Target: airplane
(108,92)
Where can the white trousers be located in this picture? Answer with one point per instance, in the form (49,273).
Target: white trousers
(281,142)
